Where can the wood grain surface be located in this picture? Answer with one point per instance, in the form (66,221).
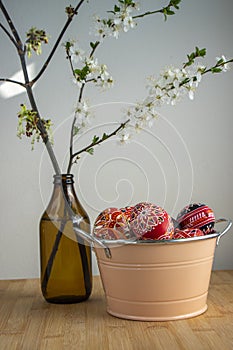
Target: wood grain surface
(27,322)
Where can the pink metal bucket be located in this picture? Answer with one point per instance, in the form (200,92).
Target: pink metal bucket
(158,280)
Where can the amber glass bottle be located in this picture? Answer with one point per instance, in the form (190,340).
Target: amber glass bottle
(66,275)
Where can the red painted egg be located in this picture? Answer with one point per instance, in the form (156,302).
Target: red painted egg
(113,223)
(187,233)
(197,215)
(127,211)
(149,221)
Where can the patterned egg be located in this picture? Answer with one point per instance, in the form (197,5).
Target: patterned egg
(149,221)
(197,215)
(113,223)
(187,233)
(127,211)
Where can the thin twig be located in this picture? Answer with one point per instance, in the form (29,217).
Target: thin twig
(163,11)
(17,41)
(72,131)
(79,100)
(217,65)
(147,13)
(71,63)
(94,48)
(13,81)
(209,70)
(69,20)
(9,35)
(93,144)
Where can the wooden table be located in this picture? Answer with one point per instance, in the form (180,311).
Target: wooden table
(27,322)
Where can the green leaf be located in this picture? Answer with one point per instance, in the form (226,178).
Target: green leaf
(82,73)
(199,52)
(185,81)
(170,12)
(78,71)
(175,3)
(104,137)
(68,45)
(90,151)
(220,61)
(202,52)
(128,2)
(216,70)
(193,55)
(95,139)
(116,8)
(94,45)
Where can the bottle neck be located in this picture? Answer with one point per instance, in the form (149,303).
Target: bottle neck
(64,188)
(63,194)
(63,179)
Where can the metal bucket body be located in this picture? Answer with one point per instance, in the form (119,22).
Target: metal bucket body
(157,281)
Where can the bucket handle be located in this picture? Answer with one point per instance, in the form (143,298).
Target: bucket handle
(89,238)
(225,230)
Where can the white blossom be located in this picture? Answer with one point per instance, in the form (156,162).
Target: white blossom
(116,31)
(104,80)
(93,66)
(225,67)
(125,136)
(200,69)
(76,54)
(191,89)
(95,72)
(101,29)
(119,21)
(82,116)
(171,85)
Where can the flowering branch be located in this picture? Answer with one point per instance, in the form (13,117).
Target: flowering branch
(220,66)
(96,141)
(35,37)
(166,11)
(28,86)
(121,18)
(68,47)
(83,76)
(90,72)
(169,88)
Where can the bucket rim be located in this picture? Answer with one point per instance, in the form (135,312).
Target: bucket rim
(120,242)
(161,241)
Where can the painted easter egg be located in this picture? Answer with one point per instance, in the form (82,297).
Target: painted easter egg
(113,223)
(187,233)
(149,221)
(197,215)
(127,211)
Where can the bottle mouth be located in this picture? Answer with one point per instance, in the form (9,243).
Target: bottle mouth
(63,178)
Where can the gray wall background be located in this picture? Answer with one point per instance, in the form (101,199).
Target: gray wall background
(186,157)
